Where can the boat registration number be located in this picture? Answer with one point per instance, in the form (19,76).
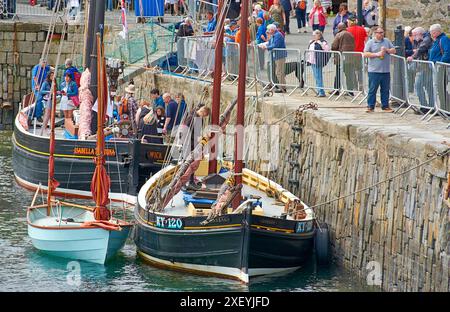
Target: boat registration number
(303,227)
(169,223)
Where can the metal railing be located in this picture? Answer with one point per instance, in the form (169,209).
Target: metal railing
(352,74)
(322,72)
(420,77)
(285,69)
(419,85)
(443,89)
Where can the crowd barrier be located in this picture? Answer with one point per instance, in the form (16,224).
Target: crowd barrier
(38,8)
(352,75)
(419,85)
(285,69)
(443,89)
(322,71)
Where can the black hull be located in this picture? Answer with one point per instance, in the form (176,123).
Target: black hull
(271,250)
(129,163)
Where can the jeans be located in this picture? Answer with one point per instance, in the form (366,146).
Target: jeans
(317,72)
(420,86)
(286,25)
(109,5)
(301,18)
(317,26)
(381,80)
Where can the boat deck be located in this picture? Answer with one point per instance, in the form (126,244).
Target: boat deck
(270,206)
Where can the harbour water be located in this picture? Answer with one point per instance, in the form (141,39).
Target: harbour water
(23,268)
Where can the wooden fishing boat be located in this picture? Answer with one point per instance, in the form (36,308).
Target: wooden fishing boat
(130,162)
(263,238)
(74,231)
(239,224)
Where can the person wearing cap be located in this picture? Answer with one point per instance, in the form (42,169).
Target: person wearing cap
(278,57)
(230,34)
(38,75)
(128,107)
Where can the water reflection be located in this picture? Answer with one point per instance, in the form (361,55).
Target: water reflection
(24,268)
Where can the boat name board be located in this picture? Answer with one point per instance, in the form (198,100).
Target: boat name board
(169,223)
(87,151)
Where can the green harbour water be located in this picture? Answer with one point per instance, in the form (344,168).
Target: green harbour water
(23,268)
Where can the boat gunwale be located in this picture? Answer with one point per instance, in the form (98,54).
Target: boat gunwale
(89,209)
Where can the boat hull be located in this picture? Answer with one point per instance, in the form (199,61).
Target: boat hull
(215,250)
(91,244)
(129,163)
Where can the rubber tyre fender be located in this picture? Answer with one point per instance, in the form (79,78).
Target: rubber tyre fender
(322,244)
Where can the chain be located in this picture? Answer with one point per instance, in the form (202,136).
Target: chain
(295,147)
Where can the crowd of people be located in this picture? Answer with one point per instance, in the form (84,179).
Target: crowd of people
(149,119)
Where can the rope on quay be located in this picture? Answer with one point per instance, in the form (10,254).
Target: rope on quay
(434,155)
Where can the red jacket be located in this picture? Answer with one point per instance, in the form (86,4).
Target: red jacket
(360,35)
(322,18)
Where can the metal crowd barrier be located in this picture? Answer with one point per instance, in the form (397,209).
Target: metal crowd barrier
(231,55)
(252,65)
(263,67)
(182,60)
(398,86)
(285,69)
(443,89)
(41,8)
(420,77)
(322,72)
(352,74)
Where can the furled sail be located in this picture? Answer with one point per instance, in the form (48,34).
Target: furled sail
(192,162)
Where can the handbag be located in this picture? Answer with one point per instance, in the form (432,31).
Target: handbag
(75,100)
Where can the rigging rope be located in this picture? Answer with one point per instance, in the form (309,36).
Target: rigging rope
(433,155)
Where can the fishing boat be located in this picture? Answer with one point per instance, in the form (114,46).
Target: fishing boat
(238,224)
(70,230)
(129,161)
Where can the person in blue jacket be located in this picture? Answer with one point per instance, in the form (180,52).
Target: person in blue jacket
(69,92)
(278,57)
(212,23)
(440,50)
(38,75)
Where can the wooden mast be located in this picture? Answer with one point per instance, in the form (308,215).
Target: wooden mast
(52,183)
(239,131)
(100,141)
(217,83)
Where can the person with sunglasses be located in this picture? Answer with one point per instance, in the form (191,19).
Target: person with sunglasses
(378,51)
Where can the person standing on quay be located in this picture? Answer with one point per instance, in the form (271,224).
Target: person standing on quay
(360,36)
(378,51)
(318,17)
(287,6)
(300,14)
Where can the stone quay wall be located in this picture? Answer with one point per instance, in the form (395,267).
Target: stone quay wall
(21,46)
(397,232)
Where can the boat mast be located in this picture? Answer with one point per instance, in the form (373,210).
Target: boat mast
(89,34)
(98,27)
(239,131)
(100,181)
(52,183)
(217,83)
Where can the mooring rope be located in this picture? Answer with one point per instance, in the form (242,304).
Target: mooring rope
(433,155)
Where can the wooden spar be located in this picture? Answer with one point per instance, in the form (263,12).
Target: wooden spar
(239,140)
(51,159)
(99,148)
(191,162)
(217,82)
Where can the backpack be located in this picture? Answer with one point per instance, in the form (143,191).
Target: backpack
(77,78)
(321,58)
(301,5)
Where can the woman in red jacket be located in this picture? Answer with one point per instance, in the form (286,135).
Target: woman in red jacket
(318,17)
